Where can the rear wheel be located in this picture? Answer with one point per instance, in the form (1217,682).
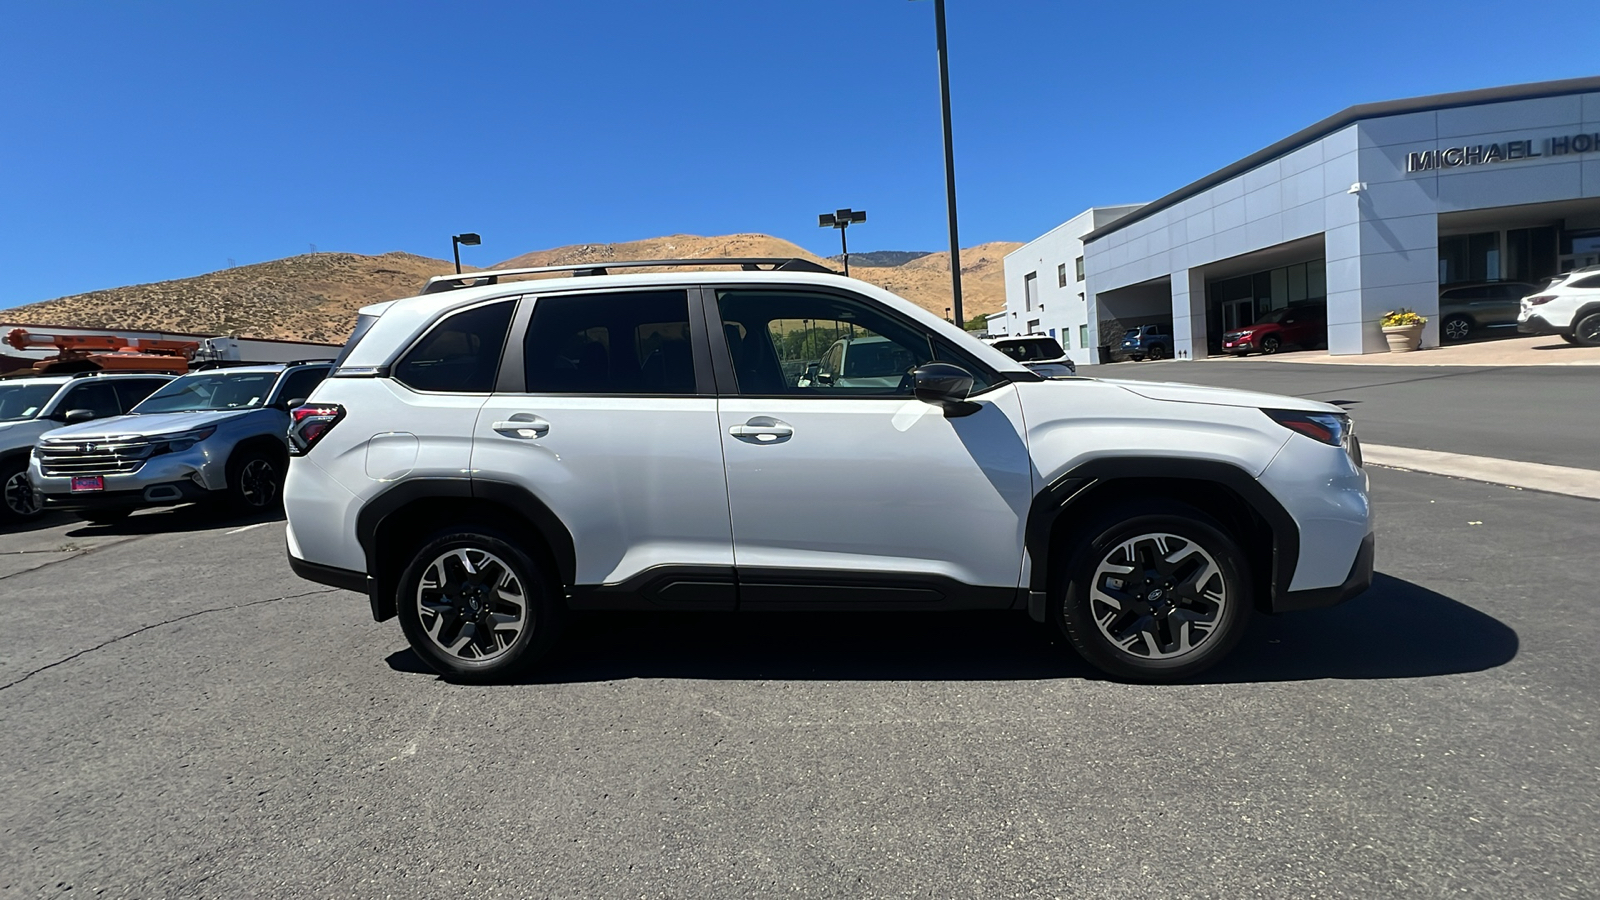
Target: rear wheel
(1570,338)
(1456,328)
(1158,352)
(476,608)
(1586,331)
(1159,592)
(18,500)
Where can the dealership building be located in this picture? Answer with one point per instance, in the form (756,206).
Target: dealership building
(1376,208)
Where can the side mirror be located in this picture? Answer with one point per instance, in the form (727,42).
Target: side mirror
(946,385)
(291,404)
(75,416)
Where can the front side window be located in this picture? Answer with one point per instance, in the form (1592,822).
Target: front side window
(461,355)
(24,401)
(634,343)
(98,398)
(210,391)
(822,345)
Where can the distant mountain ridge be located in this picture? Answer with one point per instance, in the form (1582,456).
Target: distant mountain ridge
(314,297)
(881,258)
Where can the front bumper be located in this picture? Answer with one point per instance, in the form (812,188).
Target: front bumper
(168,494)
(1359,579)
(1240,346)
(163,480)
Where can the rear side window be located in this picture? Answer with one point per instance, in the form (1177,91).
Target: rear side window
(624,343)
(1588,281)
(461,355)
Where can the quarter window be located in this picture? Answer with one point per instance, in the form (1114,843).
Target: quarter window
(460,355)
(630,343)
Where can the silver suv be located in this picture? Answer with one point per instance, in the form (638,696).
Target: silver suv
(31,407)
(485,458)
(212,434)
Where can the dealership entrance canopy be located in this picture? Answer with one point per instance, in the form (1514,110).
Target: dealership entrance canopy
(1452,205)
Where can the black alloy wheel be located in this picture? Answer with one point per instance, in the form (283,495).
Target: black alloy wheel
(476,608)
(1159,592)
(1158,352)
(18,499)
(1270,345)
(255,482)
(1586,331)
(1456,328)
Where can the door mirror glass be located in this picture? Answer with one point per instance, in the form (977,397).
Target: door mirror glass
(944,384)
(74,416)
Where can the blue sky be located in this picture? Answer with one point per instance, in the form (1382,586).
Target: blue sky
(142,141)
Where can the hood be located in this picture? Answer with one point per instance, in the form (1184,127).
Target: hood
(144,425)
(1193,393)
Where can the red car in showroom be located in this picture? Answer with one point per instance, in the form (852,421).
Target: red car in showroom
(1302,326)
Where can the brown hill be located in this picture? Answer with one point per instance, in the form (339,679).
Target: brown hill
(315,297)
(306,298)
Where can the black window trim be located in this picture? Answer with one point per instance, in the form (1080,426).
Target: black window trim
(387,370)
(513,377)
(722,360)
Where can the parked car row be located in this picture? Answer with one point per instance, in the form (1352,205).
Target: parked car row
(103,445)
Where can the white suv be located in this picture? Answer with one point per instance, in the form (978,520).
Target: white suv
(1569,306)
(484,459)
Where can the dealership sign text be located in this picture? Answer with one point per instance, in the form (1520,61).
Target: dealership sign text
(1477,154)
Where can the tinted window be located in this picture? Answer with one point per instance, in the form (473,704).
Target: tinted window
(98,397)
(626,343)
(131,390)
(300,383)
(461,354)
(23,401)
(820,345)
(1588,281)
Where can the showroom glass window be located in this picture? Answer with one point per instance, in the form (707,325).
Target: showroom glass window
(625,343)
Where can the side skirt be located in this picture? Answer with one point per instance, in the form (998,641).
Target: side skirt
(784,590)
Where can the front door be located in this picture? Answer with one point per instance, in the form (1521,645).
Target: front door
(614,430)
(843,488)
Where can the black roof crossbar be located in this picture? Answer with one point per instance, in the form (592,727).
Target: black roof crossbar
(750,264)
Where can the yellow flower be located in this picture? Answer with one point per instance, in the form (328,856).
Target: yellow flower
(1401,317)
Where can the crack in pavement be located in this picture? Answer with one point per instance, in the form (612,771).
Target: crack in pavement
(75,551)
(138,631)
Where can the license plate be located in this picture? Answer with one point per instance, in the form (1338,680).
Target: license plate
(88,483)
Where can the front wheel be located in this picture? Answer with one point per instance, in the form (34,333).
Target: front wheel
(1586,331)
(18,499)
(1159,592)
(1269,345)
(475,608)
(255,482)
(1456,328)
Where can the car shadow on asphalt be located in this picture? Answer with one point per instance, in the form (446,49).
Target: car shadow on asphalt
(176,519)
(1395,630)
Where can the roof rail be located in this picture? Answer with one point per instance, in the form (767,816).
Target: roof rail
(492,276)
(307,362)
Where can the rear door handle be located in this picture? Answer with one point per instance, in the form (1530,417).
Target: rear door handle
(762,430)
(525,426)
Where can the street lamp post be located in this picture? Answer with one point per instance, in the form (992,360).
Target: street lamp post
(456,240)
(949,158)
(842,219)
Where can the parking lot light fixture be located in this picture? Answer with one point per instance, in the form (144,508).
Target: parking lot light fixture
(471,239)
(842,219)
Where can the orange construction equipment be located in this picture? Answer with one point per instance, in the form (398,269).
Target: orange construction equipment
(105,353)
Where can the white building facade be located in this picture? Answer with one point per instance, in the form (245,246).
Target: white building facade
(1045,284)
(1376,208)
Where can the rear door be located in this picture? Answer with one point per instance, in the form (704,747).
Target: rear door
(851,492)
(607,414)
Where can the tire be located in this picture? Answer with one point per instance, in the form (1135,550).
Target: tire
(1208,574)
(104,516)
(255,482)
(18,500)
(1586,331)
(1158,352)
(1570,338)
(1270,345)
(437,607)
(1455,328)
(1138,358)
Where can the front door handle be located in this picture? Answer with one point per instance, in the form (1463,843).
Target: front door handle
(525,426)
(763,430)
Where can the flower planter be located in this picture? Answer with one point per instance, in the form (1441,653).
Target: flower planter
(1402,338)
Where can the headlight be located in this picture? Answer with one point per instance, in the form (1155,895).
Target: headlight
(1333,429)
(177,443)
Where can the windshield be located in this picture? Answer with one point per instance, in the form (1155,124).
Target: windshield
(23,401)
(211,390)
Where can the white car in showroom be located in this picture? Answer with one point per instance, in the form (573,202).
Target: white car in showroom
(1568,306)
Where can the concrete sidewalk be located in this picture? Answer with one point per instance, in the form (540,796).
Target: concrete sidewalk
(1511,351)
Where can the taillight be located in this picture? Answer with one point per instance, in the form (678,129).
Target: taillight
(307,425)
(1540,299)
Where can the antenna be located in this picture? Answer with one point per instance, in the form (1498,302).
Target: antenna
(313,248)
(230,262)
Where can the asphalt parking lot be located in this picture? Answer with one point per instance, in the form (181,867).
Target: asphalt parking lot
(183,717)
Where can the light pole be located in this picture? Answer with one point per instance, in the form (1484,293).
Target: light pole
(842,219)
(456,240)
(949,158)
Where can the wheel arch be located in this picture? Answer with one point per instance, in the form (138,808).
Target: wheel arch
(278,448)
(394,523)
(1061,514)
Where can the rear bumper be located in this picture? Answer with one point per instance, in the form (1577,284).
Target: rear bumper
(1359,579)
(1536,324)
(343,579)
